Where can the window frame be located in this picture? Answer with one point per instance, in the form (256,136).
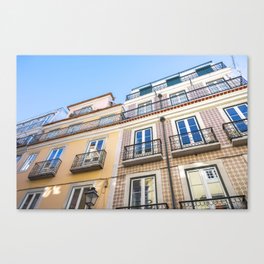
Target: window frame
(177,94)
(27,160)
(81,186)
(34,192)
(143,177)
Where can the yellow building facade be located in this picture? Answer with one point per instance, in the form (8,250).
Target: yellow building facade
(69,157)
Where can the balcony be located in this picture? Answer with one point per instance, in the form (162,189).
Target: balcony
(142,153)
(180,79)
(62,132)
(229,202)
(44,169)
(186,97)
(195,142)
(237,132)
(88,161)
(148,206)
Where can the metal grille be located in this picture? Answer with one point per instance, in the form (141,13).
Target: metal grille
(229,202)
(147,206)
(45,169)
(206,135)
(190,96)
(233,129)
(142,149)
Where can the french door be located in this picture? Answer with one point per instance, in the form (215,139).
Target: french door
(205,183)
(52,159)
(218,85)
(93,151)
(143,192)
(178,98)
(144,108)
(189,132)
(143,142)
(238,114)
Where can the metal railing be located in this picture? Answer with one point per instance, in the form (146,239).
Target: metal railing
(183,78)
(192,139)
(229,202)
(236,129)
(89,159)
(47,168)
(187,96)
(102,122)
(147,206)
(143,149)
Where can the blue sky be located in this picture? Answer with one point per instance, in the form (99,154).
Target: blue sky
(45,82)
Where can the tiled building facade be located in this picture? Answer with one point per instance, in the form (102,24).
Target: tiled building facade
(178,143)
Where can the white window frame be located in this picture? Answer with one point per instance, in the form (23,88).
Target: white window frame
(34,192)
(241,115)
(144,107)
(157,173)
(71,193)
(178,95)
(28,162)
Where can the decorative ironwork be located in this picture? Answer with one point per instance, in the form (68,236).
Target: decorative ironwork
(195,138)
(147,206)
(228,202)
(189,96)
(88,161)
(44,169)
(102,122)
(236,129)
(183,78)
(143,149)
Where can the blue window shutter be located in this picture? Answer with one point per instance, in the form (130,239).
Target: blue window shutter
(146,90)
(183,133)
(205,70)
(174,80)
(194,129)
(244,109)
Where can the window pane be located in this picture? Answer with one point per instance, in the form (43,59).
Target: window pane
(25,205)
(74,198)
(149,191)
(33,204)
(136,192)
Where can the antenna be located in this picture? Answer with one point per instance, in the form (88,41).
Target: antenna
(234,65)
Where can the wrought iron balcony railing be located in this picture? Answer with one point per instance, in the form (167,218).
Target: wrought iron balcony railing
(186,97)
(183,78)
(229,202)
(144,149)
(192,139)
(88,161)
(147,206)
(44,169)
(102,122)
(236,129)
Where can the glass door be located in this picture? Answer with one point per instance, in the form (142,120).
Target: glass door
(93,151)
(189,132)
(143,192)
(205,184)
(52,159)
(143,142)
(237,114)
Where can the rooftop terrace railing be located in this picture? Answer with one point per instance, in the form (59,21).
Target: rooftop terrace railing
(183,78)
(187,97)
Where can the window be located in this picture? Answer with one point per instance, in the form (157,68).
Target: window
(77,197)
(238,114)
(52,133)
(73,129)
(28,162)
(55,154)
(189,131)
(93,151)
(143,191)
(107,120)
(31,200)
(204,70)
(145,108)
(143,141)
(83,111)
(205,183)
(178,98)
(18,157)
(217,85)
(145,90)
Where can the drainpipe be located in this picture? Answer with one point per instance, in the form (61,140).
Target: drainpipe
(162,120)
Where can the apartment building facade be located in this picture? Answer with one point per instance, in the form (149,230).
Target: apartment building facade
(176,143)
(72,159)
(185,142)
